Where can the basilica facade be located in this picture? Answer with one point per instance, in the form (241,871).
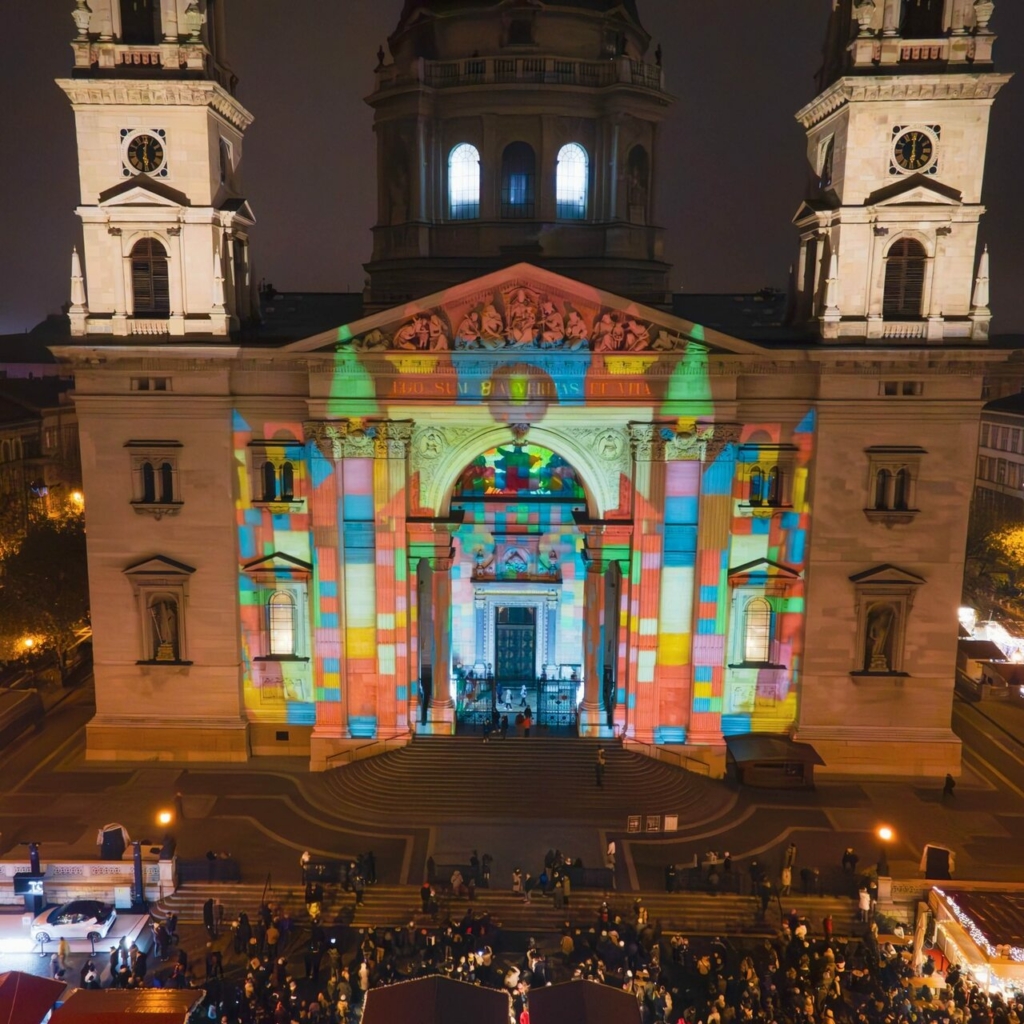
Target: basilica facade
(519,479)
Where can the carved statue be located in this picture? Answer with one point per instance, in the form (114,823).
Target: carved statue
(492,327)
(164,615)
(609,334)
(436,335)
(881,619)
(373,341)
(576,332)
(666,342)
(468,334)
(638,338)
(522,319)
(552,326)
(414,335)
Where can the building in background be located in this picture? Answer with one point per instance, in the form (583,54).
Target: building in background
(515,477)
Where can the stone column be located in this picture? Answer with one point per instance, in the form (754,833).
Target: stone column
(480,618)
(389,502)
(431,542)
(711,613)
(330,687)
(591,714)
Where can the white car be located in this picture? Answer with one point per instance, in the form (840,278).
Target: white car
(79,919)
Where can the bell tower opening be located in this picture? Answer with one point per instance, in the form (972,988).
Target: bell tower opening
(140,22)
(517,591)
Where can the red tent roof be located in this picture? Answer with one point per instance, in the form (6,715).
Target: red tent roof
(143,1006)
(26,999)
(435,1000)
(583,1002)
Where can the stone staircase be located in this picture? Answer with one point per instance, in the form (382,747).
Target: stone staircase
(394,905)
(461,778)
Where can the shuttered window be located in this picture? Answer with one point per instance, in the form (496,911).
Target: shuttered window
(904,279)
(150,288)
(518,173)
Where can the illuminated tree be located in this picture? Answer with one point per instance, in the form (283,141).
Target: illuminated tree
(1007,546)
(44,590)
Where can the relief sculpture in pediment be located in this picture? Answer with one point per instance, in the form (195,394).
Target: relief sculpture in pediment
(522,318)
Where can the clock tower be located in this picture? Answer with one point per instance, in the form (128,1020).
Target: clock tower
(896,143)
(165,224)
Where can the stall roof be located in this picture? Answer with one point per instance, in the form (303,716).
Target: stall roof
(136,1006)
(998,916)
(583,1002)
(435,1000)
(757,746)
(26,999)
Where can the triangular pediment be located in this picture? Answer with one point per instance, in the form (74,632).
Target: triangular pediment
(159,565)
(278,564)
(525,308)
(887,574)
(918,189)
(240,208)
(142,190)
(764,568)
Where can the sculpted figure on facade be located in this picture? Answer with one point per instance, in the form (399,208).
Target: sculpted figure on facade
(576,331)
(522,318)
(552,326)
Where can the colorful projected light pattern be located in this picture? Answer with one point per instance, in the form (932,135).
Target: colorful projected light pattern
(520,471)
(642,525)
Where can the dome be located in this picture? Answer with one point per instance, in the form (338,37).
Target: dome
(451,6)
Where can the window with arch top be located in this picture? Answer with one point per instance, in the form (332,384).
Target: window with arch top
(572,182)
(464,182)
(281,623)
(904,279)
(140,22)
(150,280)
(757,631)
(518,174)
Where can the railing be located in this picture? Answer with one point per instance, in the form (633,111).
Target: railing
(904,330)
(149,326)
(369,749)
(525,70)
(924,50)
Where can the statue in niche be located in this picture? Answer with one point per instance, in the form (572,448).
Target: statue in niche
(468,333)
(163,613)
(492,327)
(576,332)
(552,326)
(879,638)
(522,319)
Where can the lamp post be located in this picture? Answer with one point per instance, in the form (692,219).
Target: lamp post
(885,836)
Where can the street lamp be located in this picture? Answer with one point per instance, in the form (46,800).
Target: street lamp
(165,817)
(885,836)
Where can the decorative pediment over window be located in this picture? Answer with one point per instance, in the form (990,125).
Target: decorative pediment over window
(763,572)
(887,575)
(157,566)
(143,191)
(278,566)
(916,189)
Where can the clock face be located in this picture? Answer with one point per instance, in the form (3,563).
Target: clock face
(913,150)
(146,153)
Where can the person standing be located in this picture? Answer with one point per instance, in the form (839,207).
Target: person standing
(273,937)
(527,722)
(789,860)
(517,882)
(566,889)
(948,787)
(599,767)
(208,918)
(786,880)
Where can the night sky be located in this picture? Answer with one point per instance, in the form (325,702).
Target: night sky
(731,166)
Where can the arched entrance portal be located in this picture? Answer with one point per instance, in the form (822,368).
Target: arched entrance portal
(518,580)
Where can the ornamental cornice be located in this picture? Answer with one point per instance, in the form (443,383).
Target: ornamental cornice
(140,92)
(358,438)
(884,88)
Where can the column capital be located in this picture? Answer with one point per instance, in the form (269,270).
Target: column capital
(360,438)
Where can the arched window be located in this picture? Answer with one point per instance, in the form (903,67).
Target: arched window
(166,482)
(287,482)
(882,478)
(140,22)
(269,482)
(148,482)
(638,173)
(756,486)
(281,623)
(901,490)
(757,631)
(572,182)
(774,494)
(464,182)
(150,288)
(904,279)
(923,19)
(518,173)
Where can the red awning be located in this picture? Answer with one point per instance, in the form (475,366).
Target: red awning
(26,999)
